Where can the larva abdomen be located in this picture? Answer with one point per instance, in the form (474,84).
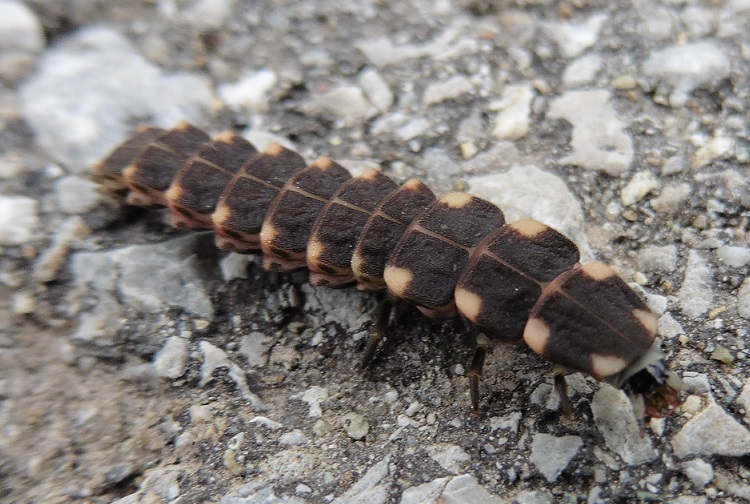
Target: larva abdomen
(518,282)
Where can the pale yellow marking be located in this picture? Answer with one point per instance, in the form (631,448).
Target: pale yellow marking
(370,174)
(129,172)
(324,163)
(226,137)
(398,280)
(413,184)
(274,149)
(221,215)
(357,262)
(468,303)
(647,320)
(529,227)
(456,199)
(314,251)
(537,334)
(268,234)
(182,126)
(598,271)
(173,194)
(603,366)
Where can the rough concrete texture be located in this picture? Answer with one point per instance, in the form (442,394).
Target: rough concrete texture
(138,364)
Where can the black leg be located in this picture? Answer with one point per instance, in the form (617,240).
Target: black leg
(475,372)
(561,387)
(383,315)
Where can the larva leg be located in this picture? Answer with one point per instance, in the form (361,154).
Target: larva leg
(475,372)
(383,315)
(561,387)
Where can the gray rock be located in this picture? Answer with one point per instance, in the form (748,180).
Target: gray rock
(668,327)
(376,89)
(696,294)
(215,358)
(21,40)
(234,266)
(256,347)
(582,71)
(599,139)
(688,66)
(743,299)
(508,422)
(206,15)
(371,488)
(258,492)
(439,164)
(456,490)
(671,198)
(735,257)
(313,397)
(501,155)
(19,219)
(356,425)
(48,265)
(76,195)
(514,118)
(293,438)
(534,497)
(346,103)
(574,38)
(171,361)
(614,418)
(657,258)
(712,432)
(90,87)
(427,493)
(450,457)
(529,192)
(250,92)
(454,87)
(700,472)
(551,455)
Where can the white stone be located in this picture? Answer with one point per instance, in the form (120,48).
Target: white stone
(347,103)
(464,489)
(76,195)
(19,219)
(508,422)
(657,258)
(735,257)
(528,192)
(671,198)
(171,361)
(696,294)
(599,139)
(615,419)
(582,71)
(266,422)
(438,92)
(700,472)
(642,183)
(450,457)
(427,493)
(668,327)
(712,432)
(743,299)
(293,438)
(48,265)
(207,15)
(688,66)
(256,347)
(536,497)
(215,358)
(376,89)
(313,397)
(551,455)
(716,148)
(250,92)
(20,30)
(372,488)
(513,120)
(234,266)
(574,38)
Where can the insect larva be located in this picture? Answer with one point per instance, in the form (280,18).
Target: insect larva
(518,283)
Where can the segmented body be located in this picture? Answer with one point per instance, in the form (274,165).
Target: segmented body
(519,283)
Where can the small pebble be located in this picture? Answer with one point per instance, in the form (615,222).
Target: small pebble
(356,426)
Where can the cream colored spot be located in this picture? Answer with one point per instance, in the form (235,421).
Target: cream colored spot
(398,280)
(529,227)
(469,304)
(357,262)
(536,334)
(182,126)
(370,174)
(647,320)
(456,199)
(603,366)
(268,234)
(413,184)
(324,163)
(314,251)
(274,149)
(173,194)
(221,215)
(226,137)
(130,172)
(598,271)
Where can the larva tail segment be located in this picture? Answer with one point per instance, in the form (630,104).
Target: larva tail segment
(517,283)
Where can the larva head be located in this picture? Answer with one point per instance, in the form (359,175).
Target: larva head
(588,319)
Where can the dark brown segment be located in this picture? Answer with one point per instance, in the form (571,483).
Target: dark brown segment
(383,230)
(151,173)
(589,320)
(289,221)
(505,275)
(196,187)
(428,259)
(339,224)
(109,171)
(242,205)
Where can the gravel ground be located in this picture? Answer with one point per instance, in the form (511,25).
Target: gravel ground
(138,364)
